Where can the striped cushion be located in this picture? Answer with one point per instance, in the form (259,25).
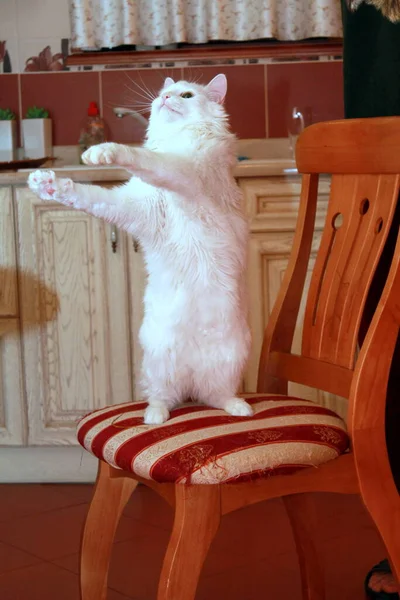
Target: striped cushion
(202,445)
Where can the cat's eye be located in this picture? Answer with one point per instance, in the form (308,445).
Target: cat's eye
(187,95)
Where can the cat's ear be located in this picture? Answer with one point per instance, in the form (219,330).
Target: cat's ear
(169,81)
(216,89)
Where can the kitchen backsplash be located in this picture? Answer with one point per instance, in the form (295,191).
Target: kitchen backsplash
(260,97)
(34,41)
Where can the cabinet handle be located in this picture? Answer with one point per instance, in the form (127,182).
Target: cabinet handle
(135,246)
(114,239)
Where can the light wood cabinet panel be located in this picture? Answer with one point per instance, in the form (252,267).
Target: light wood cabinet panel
(137,277)
(8,267)
(272,203)
(75,317)
(12,413)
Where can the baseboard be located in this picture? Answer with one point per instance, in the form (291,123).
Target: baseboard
(47,465)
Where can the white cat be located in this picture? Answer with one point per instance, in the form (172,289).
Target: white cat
(184,207)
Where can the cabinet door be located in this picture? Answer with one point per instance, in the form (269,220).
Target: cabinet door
(75,317)
(137,276)
(11,389)
(12,416)
(8,268)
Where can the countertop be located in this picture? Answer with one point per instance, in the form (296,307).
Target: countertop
(246,168)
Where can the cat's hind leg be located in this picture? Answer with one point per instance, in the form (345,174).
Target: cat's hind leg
(230,403)
(217,387)
(218,370)
(237,407)
(164,386)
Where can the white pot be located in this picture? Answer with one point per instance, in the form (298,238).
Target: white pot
(8,141)
(37,138)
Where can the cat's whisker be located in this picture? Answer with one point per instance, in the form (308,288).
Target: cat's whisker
(145,97)
(143,89)
(146,92)
(144,110)
(151,94)
(143,106)
(195,79)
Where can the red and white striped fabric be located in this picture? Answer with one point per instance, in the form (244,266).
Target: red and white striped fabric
(202,445)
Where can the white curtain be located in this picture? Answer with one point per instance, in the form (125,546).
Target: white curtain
(110,23)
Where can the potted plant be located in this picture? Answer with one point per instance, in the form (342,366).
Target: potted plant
(8,135)
(37,133)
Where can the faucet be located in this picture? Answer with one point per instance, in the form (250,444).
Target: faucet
(121,112)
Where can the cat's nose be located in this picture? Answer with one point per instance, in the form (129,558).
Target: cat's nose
(166,96)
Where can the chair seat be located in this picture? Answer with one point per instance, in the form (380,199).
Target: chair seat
(202,445)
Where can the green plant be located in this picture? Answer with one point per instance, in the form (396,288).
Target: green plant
(6,114)
(34,112)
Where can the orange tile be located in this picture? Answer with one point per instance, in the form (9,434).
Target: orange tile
(54,534)
(135,563)
(11,558)
(23,500)
(341,516)
(66,96)
(245,100)
(147,506)
(347,561)
(315,88)
(73,493)
(130,88)
(136,566)
(44,582)
(252,557)
(276,578)
(250,535)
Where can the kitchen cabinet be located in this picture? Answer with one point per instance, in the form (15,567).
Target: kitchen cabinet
(12,417)
(74,317)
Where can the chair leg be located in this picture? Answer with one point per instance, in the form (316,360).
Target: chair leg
(387,520)
(300,511)
(110,497)
(197,517)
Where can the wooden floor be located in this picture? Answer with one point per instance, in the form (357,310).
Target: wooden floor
(252,557)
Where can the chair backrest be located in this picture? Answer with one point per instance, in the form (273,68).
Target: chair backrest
(363,158)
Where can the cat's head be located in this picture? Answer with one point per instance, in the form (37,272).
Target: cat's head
(184,103)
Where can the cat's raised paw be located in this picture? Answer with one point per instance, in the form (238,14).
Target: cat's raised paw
(238,408)
(46,185)
(101,154)
(156,415)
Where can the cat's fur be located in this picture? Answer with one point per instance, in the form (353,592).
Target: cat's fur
(183,206)
(389,8)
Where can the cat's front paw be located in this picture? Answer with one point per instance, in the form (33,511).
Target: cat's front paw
(238,408)
(156,415)
(47,186)
(102,154)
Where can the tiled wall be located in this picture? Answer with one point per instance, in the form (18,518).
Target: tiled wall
(259,102)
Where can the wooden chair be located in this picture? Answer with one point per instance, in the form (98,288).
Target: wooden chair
(363,157)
